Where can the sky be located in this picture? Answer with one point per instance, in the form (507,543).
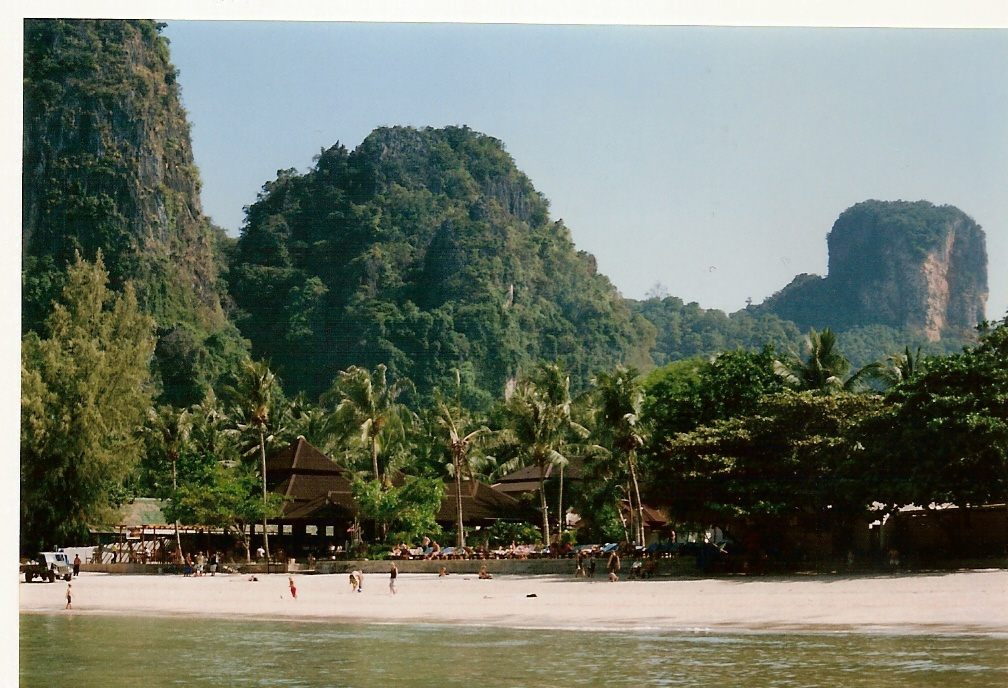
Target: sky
(705,162)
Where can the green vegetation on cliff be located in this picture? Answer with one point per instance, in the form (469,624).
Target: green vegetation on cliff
(108,166)
(425,250)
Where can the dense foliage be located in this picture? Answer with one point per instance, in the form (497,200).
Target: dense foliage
(426,256)
(426,251)
(687,330)
(84,392)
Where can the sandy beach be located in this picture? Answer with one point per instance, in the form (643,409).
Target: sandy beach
(953,602)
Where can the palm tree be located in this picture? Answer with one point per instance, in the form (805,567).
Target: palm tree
(172,427)
(459,443)
(822,370)
(257,397)
(618,400)
(305,419)
(367,404)
(897,368)
(539,418)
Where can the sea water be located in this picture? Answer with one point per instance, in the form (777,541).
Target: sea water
(91,650)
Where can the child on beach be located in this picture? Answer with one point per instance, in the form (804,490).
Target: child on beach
(69,595)
(293,589)
(393,574)
(357,580)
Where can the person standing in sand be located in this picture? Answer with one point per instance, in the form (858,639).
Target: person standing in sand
(76,565)
(292,587)
(393,574)
(613,566)
(69,594)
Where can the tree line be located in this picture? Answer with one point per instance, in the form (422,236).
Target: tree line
(746,440)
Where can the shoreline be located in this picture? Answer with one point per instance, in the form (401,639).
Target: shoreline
(957,603)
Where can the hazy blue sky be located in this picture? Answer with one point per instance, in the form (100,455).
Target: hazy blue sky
(711,160)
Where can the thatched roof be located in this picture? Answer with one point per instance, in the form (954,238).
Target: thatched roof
(315,488)
(480,504)
(526,479)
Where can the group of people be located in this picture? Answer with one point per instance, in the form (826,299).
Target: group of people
(198,567)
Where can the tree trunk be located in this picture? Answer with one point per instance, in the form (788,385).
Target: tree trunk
(262,450)
(174,483)
(640,507)
(619,512)
(460,539)
(562,518)
(542,504)
(374,458)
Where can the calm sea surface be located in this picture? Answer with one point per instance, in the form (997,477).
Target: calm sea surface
(128,651)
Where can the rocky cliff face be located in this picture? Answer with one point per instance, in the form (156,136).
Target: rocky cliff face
(108,166)
(915,267)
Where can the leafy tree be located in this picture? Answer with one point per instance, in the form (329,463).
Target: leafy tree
(506,533)
(225,497)
(408,510)
(754,474)
(685,330)
(84,391)
(683,395)
(945,440)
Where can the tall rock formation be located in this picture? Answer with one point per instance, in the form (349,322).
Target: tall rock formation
(911,266)
(108,166)
(428,251)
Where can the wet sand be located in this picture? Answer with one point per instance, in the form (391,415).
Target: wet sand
(955,602)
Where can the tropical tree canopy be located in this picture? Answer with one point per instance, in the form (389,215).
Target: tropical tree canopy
(85,391)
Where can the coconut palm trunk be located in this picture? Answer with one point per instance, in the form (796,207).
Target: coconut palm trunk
(639,532)
(560,511)
(262,450)
(460,539)
(542,504)
(174,482)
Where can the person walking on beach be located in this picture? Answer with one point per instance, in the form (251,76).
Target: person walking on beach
(393,574)
(591,567)
(200,562)
(76,565)
(69,595)
(357,580)
(613,566)
(292,587)
(213,564)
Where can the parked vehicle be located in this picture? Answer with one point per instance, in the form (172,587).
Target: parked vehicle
(48,566)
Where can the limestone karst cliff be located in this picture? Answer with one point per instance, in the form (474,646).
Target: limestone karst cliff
(108,166)
(912,266)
